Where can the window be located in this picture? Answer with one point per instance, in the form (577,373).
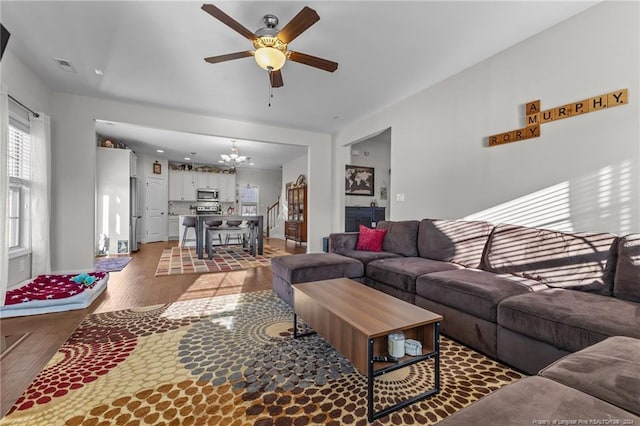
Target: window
(249,200)
(19,171)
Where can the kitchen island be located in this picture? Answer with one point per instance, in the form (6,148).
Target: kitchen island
(255,231)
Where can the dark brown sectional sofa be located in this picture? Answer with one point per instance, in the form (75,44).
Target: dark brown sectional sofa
(523,295)
(599,385)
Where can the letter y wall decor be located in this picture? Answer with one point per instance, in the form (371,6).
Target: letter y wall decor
(534,117)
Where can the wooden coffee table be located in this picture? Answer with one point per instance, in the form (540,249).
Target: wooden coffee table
(356,320)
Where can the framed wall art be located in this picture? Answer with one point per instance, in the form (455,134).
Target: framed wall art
(157,168)
(359,180)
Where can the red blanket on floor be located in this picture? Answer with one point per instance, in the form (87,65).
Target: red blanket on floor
(46,287)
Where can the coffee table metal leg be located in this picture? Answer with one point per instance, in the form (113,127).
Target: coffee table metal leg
(436,347)
(370,380)
(295,328)
(371,375)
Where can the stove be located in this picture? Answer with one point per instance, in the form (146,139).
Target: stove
(209,208)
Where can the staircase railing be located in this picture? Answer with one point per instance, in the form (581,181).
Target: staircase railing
(273,211)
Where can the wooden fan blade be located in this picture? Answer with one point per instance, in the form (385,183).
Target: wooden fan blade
(276,79)
(228,21)
(313,61)
(227,57)
(298,24)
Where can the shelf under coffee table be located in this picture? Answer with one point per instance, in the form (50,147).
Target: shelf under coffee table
(356,320)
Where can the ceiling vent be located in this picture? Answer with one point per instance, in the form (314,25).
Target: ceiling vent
(65,64)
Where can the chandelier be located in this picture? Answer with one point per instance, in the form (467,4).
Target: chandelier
(233,160)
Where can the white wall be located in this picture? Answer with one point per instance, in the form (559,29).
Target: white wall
(74,165)
(23,84)
(292,169)
(586,165)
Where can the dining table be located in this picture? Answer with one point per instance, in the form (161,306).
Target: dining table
(254,225)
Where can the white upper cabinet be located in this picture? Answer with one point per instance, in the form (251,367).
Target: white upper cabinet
(207,180)
(189,186)
(227,187)
(182,186)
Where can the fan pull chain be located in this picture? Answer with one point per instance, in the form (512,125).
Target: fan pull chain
(270,86)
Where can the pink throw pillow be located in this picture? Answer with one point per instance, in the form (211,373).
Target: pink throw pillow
(370,239)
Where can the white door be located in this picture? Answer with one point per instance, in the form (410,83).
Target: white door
(155,208)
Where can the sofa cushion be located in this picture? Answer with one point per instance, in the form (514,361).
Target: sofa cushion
(609,370)
(453,240)
(627,280)
(579,261)
(301,268)
(536,400)
(370,239)
(367,256)
(401,272)
(473,291)
(570,320)
(401,238)
(342,241)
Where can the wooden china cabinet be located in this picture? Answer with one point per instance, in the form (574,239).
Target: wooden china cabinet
(295,227)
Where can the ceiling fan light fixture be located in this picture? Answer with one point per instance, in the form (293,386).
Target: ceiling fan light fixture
(270,58)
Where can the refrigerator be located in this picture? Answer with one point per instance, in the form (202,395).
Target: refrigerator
(135,214)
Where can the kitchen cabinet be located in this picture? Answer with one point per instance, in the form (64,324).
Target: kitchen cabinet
(175,185)
(188,186)
(227,188)
(174,228)
(295,227)
(367,216)
(182,185)
(207,180)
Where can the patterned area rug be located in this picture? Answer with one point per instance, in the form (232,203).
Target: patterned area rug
(111,264)
(177,260)
(230,360)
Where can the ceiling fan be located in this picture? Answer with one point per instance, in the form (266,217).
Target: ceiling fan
(271,44)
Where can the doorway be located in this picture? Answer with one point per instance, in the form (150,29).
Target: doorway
(373,152)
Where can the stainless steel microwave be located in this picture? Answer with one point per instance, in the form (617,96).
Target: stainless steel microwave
(207,194)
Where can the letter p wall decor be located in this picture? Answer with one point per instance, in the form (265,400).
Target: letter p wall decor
(534,117)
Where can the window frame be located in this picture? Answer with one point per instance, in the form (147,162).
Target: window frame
(20,185)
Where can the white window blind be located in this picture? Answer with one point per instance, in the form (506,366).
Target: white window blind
(19,154)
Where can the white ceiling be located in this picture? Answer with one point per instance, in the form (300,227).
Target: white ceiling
(151,53)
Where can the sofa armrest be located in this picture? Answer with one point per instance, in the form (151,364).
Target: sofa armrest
(339,242)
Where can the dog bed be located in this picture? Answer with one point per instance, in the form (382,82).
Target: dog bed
(52,293)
